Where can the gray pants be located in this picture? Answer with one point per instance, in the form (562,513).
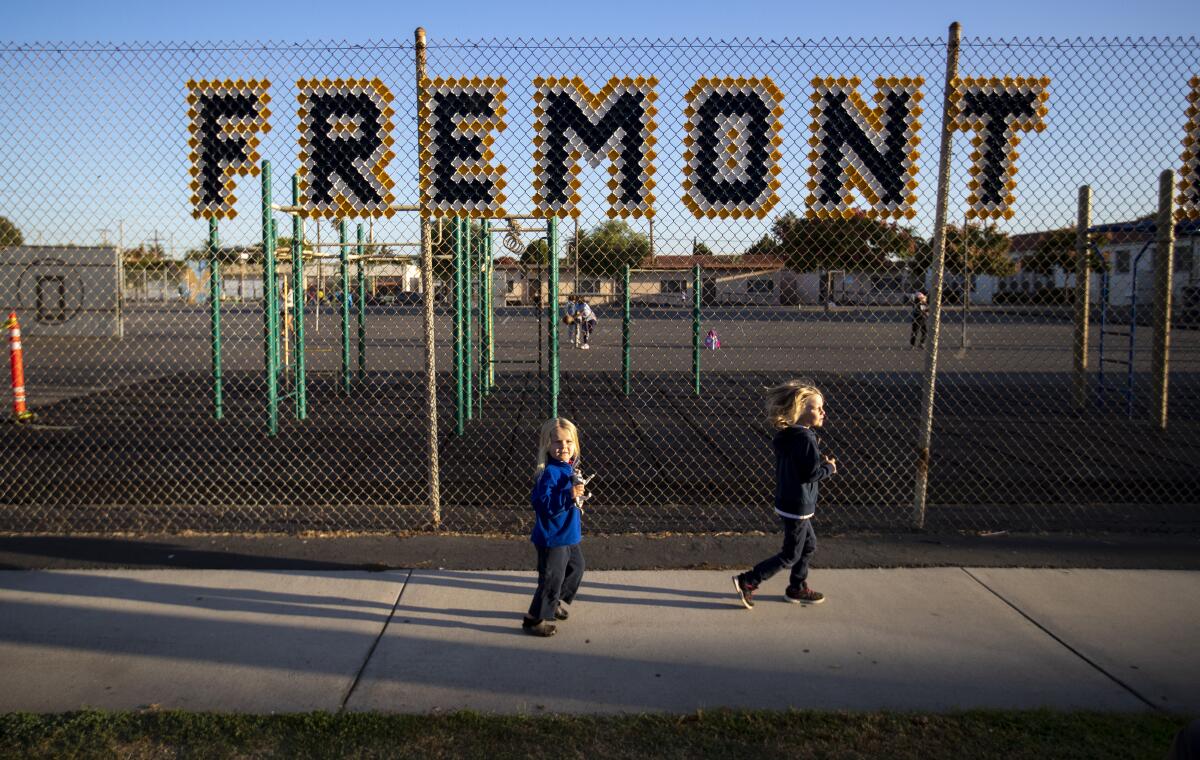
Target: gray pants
(560,570)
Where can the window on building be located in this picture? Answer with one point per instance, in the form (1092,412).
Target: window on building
(761,285)
(512,286)
(674,286)
(1122,262)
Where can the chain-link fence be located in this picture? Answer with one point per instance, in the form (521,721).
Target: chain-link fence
(732,213)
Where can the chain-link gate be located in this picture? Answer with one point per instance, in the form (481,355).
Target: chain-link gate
(639,235)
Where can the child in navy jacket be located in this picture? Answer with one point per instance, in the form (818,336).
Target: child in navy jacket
(794,409)
(556,527)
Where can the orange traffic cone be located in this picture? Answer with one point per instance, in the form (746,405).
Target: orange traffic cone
(16,358)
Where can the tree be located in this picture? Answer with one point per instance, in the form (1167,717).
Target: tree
(536,255)
(10,234)
(700,249)
(764,246)
(605,250)
(970,249)
(857,243)
(1056,250)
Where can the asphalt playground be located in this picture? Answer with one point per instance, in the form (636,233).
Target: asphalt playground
(126,438)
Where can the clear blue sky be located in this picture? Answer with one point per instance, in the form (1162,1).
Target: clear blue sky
(155,20)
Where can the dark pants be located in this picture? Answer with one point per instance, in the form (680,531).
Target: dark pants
(586,328)
(917,325)
(560,570)
(799,542)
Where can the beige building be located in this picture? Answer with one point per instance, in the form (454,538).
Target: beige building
(662,281)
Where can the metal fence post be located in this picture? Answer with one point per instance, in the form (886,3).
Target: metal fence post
(929,380)
(459,382)
(435,501)
(696,328)
(625,347)
(552,312)
(1164,265)
(1083,224)
(468,285)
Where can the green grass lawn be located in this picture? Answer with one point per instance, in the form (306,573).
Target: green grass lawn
(719,734)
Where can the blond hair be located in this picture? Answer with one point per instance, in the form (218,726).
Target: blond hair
(785,402)
(546,437)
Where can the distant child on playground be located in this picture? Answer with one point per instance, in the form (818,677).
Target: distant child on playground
(795,409)
(556,526)
(587,321)
(920,315)
(570,317)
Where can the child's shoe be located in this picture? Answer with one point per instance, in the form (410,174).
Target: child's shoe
(803,595)
(538,628)
(745,592)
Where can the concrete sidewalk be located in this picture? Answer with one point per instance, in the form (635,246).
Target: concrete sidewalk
(430,640)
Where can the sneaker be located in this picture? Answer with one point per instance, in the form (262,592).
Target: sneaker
(538,628)
(744,591)
(561,614)
(585,346)
(803,595)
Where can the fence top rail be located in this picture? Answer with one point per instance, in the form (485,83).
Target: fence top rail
(365,244)
(288,209)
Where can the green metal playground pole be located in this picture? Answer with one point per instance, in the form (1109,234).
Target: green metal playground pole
(459,406)
(362,305)
(344,274)
(275,305)
(214,310)
(269,347)
(298,291)
(468,264)
(625,319)
(696,327)
(552,312)
(485,310)
(491,291)
(491,316)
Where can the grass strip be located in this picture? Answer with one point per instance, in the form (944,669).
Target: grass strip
(708,734)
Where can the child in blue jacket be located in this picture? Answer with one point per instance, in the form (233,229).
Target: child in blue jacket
(794,409)
(556,527)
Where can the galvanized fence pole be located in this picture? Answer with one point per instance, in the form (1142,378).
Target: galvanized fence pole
(1164,264)
(1083,253)
(468,316)
(696,285)
(929,380)
(459,382)
(625,346)
(435,502)
(552,311)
